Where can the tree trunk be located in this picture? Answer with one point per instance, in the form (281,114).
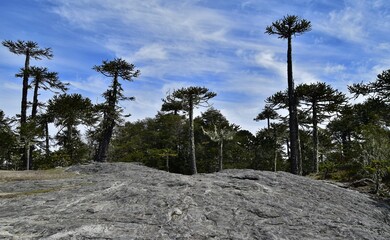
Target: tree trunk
(69,138)
(34,111)
(300,157)
(293,119)
(167,163)
(345,146)
(193,169)
(268,123)
(47,138)
(276,150)
(108,123)
(275,159)
(104,144)
(26,74)
(315,139)
(27,152)
(288,149)
(220,164)
(30,156)
(23,112)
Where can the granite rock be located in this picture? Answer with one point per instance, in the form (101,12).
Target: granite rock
(131,201)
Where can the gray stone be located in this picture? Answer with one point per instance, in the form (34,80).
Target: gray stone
(131,201)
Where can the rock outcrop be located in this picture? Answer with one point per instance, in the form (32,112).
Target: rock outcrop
(130,201)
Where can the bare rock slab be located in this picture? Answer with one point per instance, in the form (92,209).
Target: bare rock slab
(131,201)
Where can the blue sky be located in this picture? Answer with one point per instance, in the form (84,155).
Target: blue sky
(218,44)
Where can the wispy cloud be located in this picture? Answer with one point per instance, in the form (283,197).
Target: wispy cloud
(151,52)
(347,24)
(331,69)
(93,84)
(217,44)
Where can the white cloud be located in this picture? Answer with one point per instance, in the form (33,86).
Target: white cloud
(151,52)
(347,24)
(356,21)
(217,44)
(242,116)
(268,60)
(331,69)
(93,84)
(147,102)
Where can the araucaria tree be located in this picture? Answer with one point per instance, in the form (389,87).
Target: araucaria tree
(31,50)
(321,100)
(286,28)
(42,79)
(68,112)
(189,98)
(219,130)
(45,80)
(268,113)
(378,89)
(115,69)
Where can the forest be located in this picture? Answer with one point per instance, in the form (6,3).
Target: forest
(311,129)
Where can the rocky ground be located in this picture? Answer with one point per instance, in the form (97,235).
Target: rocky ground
(130,201)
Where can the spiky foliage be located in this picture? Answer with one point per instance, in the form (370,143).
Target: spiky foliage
(268,113)
(379,89)
(31,50)
(67,112)
(220,135)
(42,79)
(285,28)
(321,100)
(115,69)
(289,26)
(189,98)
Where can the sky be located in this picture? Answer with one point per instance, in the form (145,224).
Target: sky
(217,44)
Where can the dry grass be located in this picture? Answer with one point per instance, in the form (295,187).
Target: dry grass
(9,176)
(15,176)
(32,192)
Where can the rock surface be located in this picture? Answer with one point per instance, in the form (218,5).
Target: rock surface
(130,201)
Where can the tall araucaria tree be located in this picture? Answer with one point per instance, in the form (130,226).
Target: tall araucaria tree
(31,50)
(322,100)
(189,98)
(115,69)
(286,28)
(42,79)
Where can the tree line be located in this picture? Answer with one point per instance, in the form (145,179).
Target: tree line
(27,146)
(324,133)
